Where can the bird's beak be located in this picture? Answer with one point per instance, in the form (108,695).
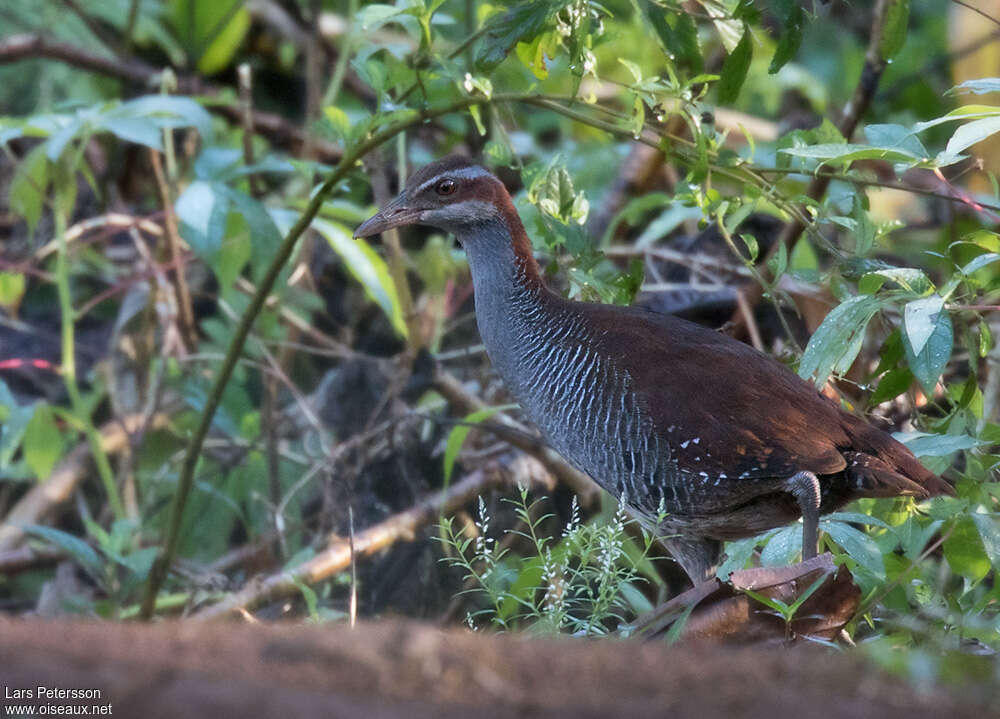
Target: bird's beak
(395,214)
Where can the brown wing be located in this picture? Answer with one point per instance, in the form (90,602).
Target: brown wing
(722,406)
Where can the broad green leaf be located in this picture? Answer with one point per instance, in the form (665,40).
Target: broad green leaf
(964,550)
(43,442)
(864,230)
(202,215)
(503,31)
(157,112)
(13,423)
(908,278)
(897,17)
(11,289)
(928,339)
(372,17)
(837,341)
(456,438)
(978,87)
(211,32)
(678,35)
(783,547)
(858,546)
(367,268)
(790,39)
(978,263)
(849,152)
(734,69)
(895,136)
(971,133)
(924,444)
(989,532)
(27,189)
(73,546)
(965,112)
(893,383)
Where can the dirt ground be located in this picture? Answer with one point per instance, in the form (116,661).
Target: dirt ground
(395,669)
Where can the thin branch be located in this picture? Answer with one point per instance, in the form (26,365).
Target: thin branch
(185,311)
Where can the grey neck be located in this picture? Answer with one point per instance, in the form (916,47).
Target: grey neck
(499,283)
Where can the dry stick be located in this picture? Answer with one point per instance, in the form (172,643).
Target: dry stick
(245,83)
(337,556)
(853,111)
(185,312)
(43,499)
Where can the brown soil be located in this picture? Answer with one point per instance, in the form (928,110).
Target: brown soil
(413,671)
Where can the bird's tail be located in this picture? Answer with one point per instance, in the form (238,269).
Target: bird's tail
(882,467)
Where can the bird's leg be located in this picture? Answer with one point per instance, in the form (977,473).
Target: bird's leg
(697,556)
(804,486)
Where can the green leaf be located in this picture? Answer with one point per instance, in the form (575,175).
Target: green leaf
(928,339)
(895,136)
(897,17)
(73,546)
(971,133)
(989,532)
(43,442)
(978,87)
(503,31)
(202,215)
(678,35)
(367,268)
(210,31)
(837,341)
(14,421)
(790,39)
(734,69)
(893,383)
(849,152)
(11,289)
(456,438)
(978,263)
(27,189)
(858,546)
(924,444)
(909,279)
(964,550)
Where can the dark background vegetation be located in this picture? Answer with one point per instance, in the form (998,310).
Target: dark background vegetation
(214,400)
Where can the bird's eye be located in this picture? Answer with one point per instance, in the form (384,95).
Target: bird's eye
(445,187)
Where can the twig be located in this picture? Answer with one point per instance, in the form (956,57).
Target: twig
(245,83)
(337,556)
(185,311)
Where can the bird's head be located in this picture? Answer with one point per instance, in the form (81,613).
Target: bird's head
(453,194)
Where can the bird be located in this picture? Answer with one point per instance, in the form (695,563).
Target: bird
(703,438)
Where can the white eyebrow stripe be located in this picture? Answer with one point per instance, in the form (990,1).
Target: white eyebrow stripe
(467,173)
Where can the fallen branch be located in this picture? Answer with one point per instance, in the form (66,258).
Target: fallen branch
(400,527)
(44,499)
